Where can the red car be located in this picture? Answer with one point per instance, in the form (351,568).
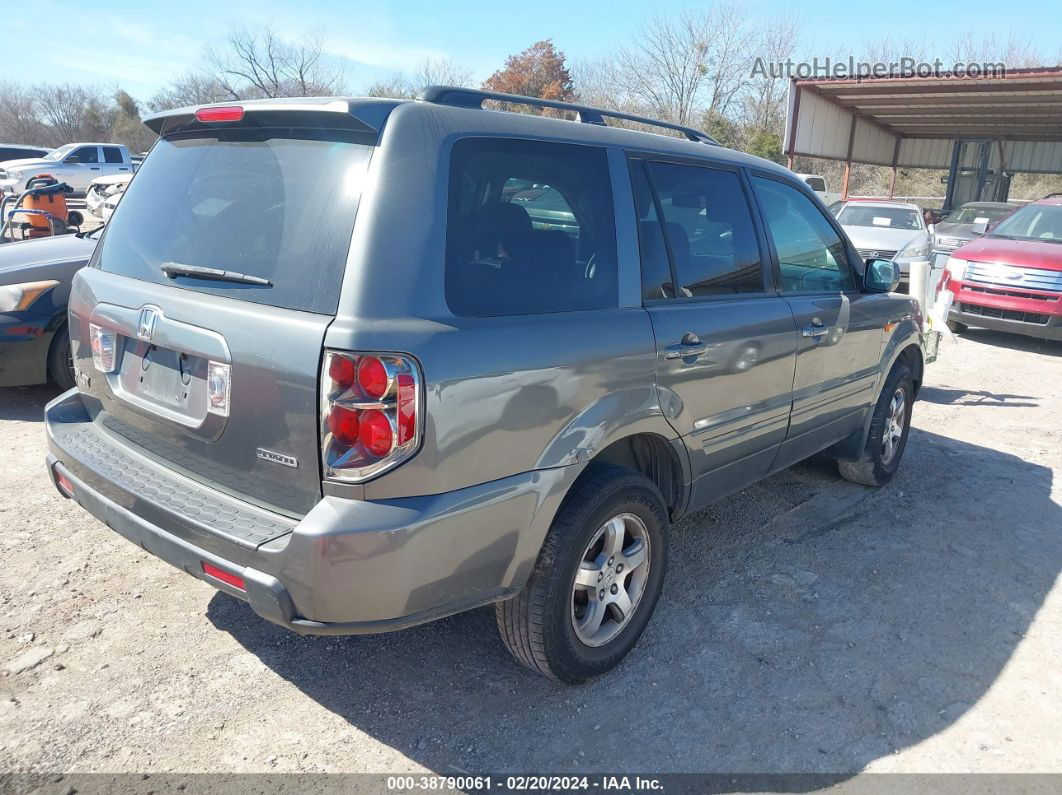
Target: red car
(1011,278)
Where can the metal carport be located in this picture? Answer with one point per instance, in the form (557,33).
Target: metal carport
(982,129)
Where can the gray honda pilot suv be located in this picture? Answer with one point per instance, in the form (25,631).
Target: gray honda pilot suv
(365,363)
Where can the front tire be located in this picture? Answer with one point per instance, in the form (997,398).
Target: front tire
(888,432)
(596,581)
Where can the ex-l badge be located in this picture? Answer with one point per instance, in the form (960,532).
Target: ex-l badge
(277,458)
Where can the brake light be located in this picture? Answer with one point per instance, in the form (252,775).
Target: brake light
(370,407)
(223,113)
(372,377)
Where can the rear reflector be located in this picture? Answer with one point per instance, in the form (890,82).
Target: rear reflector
(225,113)
(64,483)
(224,576)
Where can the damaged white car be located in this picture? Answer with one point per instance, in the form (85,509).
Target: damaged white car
(104,193)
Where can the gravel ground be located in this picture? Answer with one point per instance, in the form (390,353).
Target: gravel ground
(808,624)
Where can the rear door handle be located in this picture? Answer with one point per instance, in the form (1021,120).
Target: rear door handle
(682,350)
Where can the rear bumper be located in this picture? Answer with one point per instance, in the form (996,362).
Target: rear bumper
(347,567)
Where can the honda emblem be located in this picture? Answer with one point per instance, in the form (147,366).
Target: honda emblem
(146,323)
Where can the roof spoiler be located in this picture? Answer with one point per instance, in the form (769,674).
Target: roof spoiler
(366,115)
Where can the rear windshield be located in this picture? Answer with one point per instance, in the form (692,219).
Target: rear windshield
(872,215)
(277,204)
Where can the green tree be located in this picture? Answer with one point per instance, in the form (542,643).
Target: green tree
(128,128)
(766,144)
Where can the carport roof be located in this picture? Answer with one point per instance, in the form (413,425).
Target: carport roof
(1025,104)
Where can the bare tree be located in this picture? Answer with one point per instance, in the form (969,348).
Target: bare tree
(73,113)
(684,65)
(257,62)
(18,117)
(762,101)
(194,88)
(430,72)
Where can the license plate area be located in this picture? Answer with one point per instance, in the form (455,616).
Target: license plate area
(165,381)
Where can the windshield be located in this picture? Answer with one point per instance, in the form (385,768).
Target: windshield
(1032,222)
(885,217)
(973,214)
(276,204)
(60,153)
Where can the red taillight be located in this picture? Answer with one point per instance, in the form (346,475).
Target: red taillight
(343,423)
(372,377)
(342,370)
(375,433)
(225,577)
(224,113)
(370,406)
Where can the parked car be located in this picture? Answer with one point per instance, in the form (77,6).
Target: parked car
(20,152)
(75,164)
(889,230)
(966,222)
(1011,278)
(818,184)
(104,193)
(358,389)
(35,278)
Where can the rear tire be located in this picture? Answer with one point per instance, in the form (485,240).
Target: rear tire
(955,327)
(596,581)
(888,432)
(60,364)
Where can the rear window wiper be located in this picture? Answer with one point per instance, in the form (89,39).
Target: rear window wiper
(175,269)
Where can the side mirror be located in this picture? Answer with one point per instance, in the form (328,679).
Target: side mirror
(881,276)
(979,229)
(72,159)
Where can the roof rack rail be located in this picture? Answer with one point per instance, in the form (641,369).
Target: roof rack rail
(473,98)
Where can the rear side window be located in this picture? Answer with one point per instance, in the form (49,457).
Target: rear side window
(112,154)
(816,184)
(709,230)
(530,228)
(277,204)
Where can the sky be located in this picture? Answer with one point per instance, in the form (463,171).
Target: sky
(122,43)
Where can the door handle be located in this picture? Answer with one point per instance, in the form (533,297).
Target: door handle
(684,349)
(95,168)
(816,329)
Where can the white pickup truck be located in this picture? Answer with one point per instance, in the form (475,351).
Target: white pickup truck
(75,164)
(818,184)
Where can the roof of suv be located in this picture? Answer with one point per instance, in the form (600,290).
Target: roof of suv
(373,113)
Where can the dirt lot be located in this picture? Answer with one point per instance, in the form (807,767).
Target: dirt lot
(808,624)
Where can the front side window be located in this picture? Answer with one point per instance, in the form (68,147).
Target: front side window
(530,229)
(811,255)
(87,154)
